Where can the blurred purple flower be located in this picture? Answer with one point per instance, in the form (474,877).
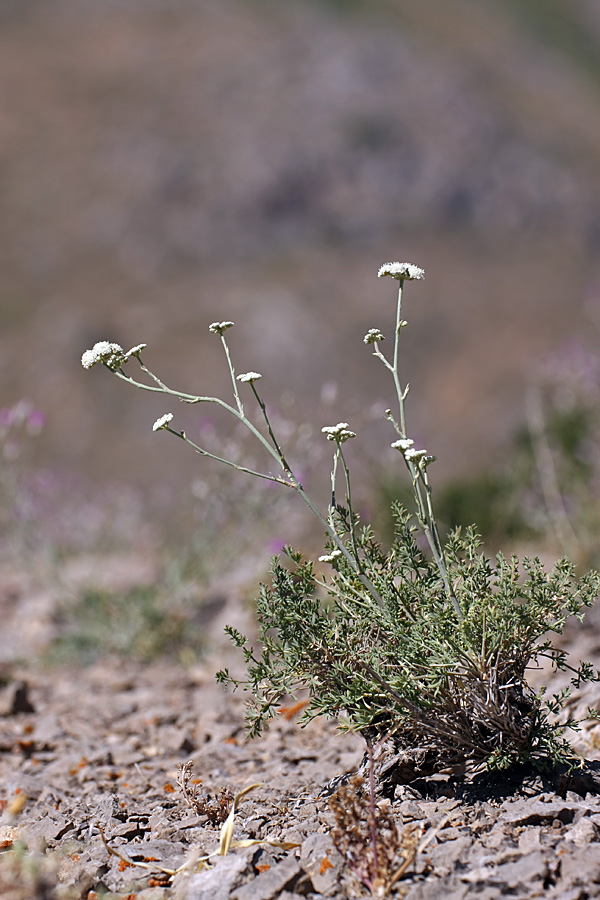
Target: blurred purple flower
(35,421)
(22,413)
(276,546)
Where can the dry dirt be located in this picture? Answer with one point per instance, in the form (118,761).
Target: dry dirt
(89,766)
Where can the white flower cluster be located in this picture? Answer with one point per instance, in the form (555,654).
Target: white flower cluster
(249,377)
(406,448)
(339,432)
(401,271)
(163,422)
(373,335)
(330,557)
(415,455)
(104,352)
(135,351)
(112,355)
(220,327)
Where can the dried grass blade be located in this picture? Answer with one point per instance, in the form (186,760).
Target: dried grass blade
(229,824)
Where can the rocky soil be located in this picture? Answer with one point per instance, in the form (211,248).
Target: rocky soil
(89,767)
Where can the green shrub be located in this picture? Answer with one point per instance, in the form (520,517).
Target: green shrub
(423,646)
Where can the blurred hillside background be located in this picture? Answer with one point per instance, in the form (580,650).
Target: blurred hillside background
(167,164)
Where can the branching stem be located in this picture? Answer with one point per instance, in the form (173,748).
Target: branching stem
(273,449)
(417,471)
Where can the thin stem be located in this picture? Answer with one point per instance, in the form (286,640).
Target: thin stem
(351,518)
(331,532)
(228,462)
(275,451)
(327,524)
(430,515)
(232,372)
(417,474)
(429,526)
(282,460)
(192,398)
(151,374)
(400,393)
(332,505)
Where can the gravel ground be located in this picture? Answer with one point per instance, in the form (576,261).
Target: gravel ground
(89,771)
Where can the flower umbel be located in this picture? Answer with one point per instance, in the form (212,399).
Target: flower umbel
(249,377)
(339,432)
(220,327)
(135,351)
(372,336)
(414,455)
(163,422)
(330,557)
(401,271)
(112,355)
(402,445)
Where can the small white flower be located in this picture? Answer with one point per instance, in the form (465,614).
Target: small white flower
(88,359)
(135,351)
(339,432)
(405,446)
(414,455)
(333,429)
(373,335)
(401,271)
(249,377)
(163,422)
(105,352)
(220,327)
(330,557)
